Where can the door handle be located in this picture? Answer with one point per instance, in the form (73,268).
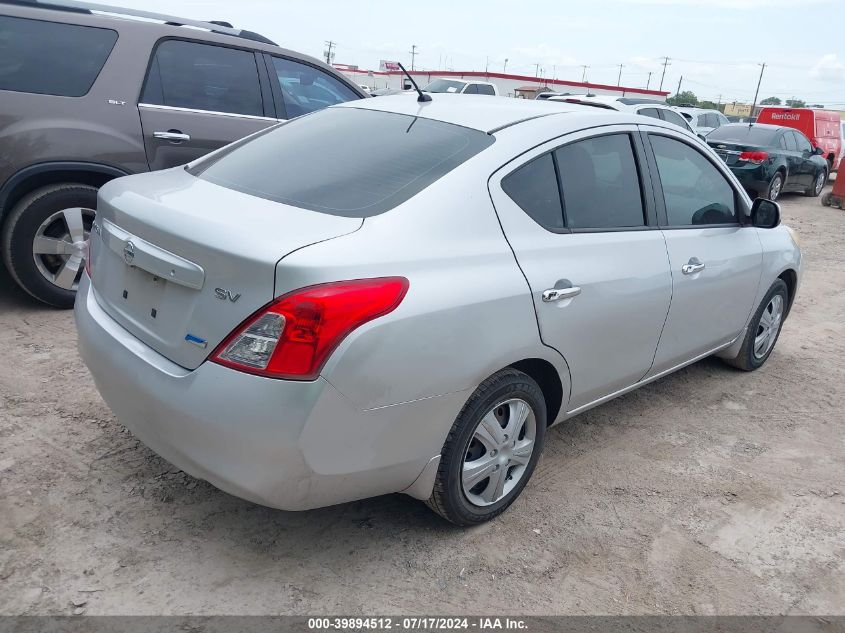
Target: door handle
(558,294)
(693,266)
(172,135)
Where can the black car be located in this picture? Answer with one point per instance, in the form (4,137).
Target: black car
(770,159)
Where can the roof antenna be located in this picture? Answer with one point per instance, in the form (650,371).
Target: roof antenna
(423,96)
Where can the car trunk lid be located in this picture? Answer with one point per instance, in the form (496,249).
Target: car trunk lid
(730,151)
(180,262)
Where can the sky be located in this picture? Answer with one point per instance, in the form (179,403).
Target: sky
(717,46)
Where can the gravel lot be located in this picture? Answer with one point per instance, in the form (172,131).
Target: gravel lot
(710,491)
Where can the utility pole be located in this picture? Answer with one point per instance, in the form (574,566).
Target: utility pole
(487,65)
(757,92)
(584,74)
(679,85)
(665,63)
(719,104)
(648,83)
(329,46)
(505,67)
(537,69)
(619,80)
(413,52)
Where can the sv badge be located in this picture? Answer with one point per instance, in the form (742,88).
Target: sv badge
(224,294)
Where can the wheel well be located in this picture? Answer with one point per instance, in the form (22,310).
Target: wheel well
(52,177)
(790,278)
(545,375)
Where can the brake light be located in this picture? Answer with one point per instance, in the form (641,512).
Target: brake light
(754,157)
(294,335)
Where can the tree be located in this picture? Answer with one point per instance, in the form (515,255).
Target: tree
(795,103)
(708,105)
(770,101)
(687,96)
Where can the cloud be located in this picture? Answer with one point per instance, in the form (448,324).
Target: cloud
(829,68)
(730,4)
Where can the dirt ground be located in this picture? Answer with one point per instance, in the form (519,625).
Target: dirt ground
(709,492)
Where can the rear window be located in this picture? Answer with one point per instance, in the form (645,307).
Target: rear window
(348,162)
(49,58)
(744,134)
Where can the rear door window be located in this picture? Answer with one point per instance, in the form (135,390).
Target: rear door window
(695,192)
(348,162)
(534,188)
(791,143)
(674,117)
(652,112)
(203,77)
(50,58)
(484,89)
(600,183)
(801,141)
(471,89)
(306,88)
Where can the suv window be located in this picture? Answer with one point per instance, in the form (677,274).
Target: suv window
(674,117)
(702,120)
(49,58)
(203,77)
(695,191)
(471,89)
(484,89)
(600,183)
(712,120)
(348,162)
(306,88)
(534,188)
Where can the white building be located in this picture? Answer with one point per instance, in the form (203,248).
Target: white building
(508,85)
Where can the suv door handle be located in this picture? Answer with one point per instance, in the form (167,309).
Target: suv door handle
(693,266)
(557,294)
(175,136)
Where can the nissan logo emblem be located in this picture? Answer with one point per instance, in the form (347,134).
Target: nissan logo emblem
(129,252)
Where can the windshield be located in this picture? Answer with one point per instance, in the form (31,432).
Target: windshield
(743,134)
(348,162)
(445,85)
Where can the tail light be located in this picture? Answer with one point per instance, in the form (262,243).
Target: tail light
(294,335)
(754,157)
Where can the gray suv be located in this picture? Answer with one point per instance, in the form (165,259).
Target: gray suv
(91,93)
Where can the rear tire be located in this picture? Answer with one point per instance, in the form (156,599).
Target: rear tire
(757,347)
(483,471)
(59,216)
(775,187)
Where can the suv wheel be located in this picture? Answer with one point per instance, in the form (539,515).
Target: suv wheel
(491,450)
(45,241)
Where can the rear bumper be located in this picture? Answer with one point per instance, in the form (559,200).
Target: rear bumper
(284,444)
(753,177)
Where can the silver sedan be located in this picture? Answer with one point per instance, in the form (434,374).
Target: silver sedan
(395,296)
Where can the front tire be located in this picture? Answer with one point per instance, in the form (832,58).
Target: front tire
(44,241)
(491,450)
(818,184)
(763,330)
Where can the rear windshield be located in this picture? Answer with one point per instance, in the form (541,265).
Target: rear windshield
(348,162)
(743,134)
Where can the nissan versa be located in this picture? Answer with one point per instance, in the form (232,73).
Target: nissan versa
(390,295)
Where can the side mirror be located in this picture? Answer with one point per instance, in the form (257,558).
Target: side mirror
(818,151)
(765,214)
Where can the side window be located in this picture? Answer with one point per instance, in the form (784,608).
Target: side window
(712,120)
(702,120)
(803,144)
(652,112)
(306,88)
(471,89)
(484,89)
(789,139)
(49,58)
(695,191)
(203,77)
(600,183)
(674,117)
(782,141)
(534,188)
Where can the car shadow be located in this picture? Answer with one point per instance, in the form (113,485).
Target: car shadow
(13,298)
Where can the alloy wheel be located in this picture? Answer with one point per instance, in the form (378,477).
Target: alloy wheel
(768,327)
(820,180)
(499,452)
(60,246)
(774,190)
